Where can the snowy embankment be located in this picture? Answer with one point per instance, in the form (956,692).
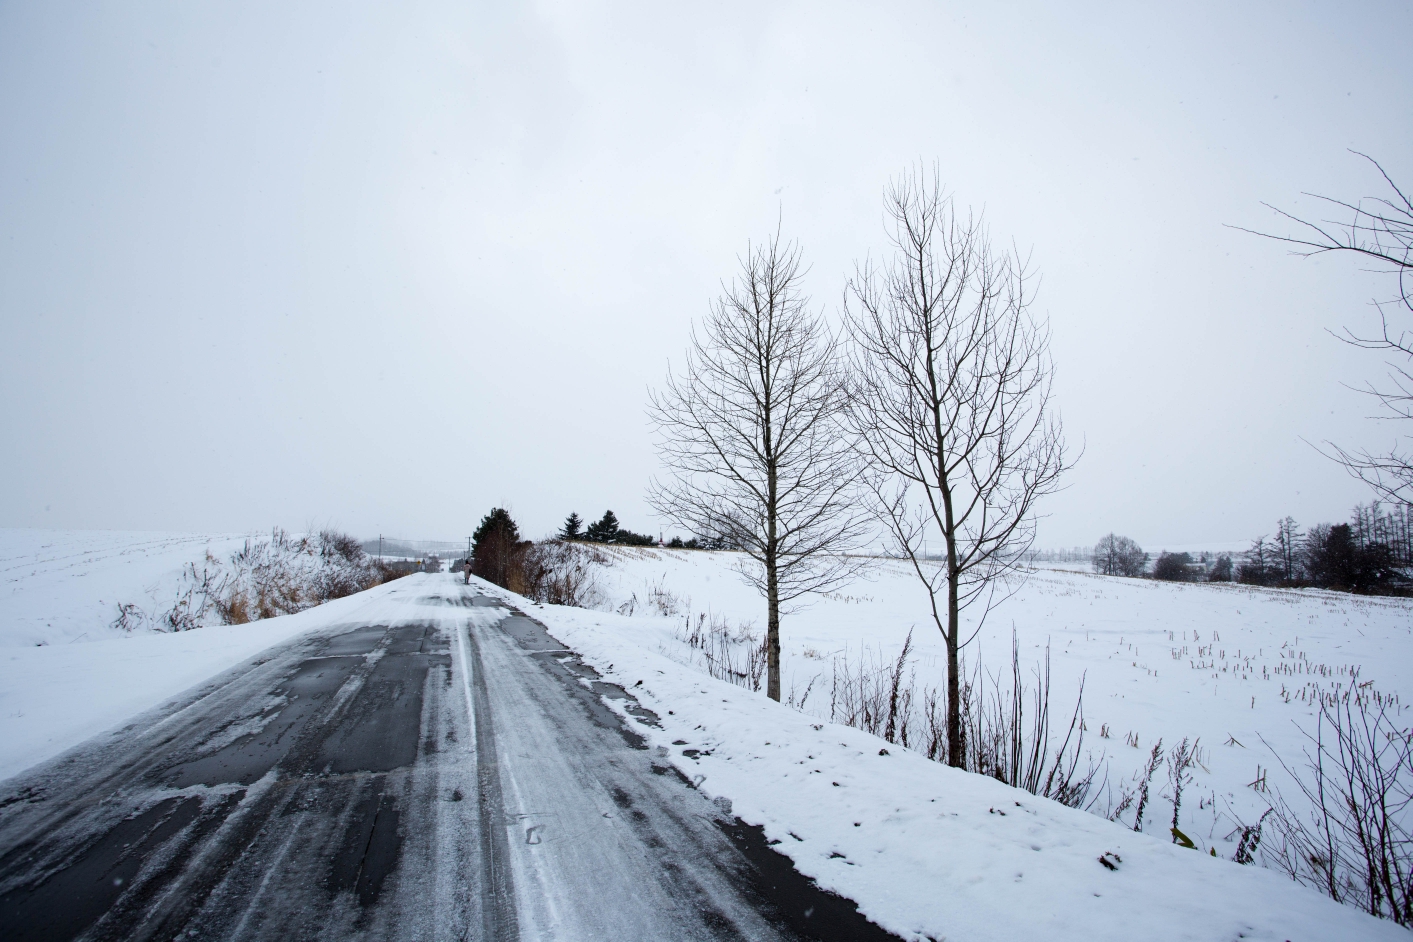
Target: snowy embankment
(1234,667)
(925,850)
(67,674)
(929,852)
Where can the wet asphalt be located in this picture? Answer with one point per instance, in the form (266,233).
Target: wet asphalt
(452,775)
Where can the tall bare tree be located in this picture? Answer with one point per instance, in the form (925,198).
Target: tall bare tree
(1287,546)
(951,406)
(1116,555)
(1378,230)
(748,432)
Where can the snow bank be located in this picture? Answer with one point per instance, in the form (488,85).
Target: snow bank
(929,852)
(53,697)
(66,674)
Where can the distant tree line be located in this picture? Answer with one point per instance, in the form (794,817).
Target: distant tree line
(499,554)
(1370,554)
(1116,555)
(717,542)
(702,542)
(1182,567)
(553,570)
(1073,554)
(603,530)
(607,530)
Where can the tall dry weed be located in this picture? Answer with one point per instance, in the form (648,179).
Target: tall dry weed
(265,578)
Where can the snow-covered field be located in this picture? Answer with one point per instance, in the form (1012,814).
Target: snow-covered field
(927,851)
(1227,665)
(62,586)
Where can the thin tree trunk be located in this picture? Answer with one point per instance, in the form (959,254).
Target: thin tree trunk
(955,747)
(772,589)
(772,635)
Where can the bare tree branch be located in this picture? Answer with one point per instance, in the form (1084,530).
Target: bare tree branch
(1379,229)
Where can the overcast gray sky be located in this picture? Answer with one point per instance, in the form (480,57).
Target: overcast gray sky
(386,266)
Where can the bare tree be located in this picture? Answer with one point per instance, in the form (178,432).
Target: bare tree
(1287,546)
(1378,230)
(1257,566)
(951,407)
(748,432)
(1116,555)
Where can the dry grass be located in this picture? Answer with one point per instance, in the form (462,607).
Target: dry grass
(734,654)
(1007,732)
(557,573)
(1355,843)
(266,578)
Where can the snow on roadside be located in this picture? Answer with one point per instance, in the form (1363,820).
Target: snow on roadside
(62,586)
(67,674)
(927,851)
(53,697)
(1235,667)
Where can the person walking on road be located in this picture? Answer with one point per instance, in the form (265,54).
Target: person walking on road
(467,566)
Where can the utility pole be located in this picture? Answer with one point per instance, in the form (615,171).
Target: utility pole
(380,547)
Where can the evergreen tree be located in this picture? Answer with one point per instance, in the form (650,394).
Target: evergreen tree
(1173,567)
(604,531)
(573,528)
(629,538)
(1335,560)
(494,545)
(497,522)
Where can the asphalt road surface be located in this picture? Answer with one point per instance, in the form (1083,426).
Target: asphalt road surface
(443,769)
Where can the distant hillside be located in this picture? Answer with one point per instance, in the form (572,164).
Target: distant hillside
(415,549)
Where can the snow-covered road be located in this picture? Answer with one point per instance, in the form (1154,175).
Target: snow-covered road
(438,768)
